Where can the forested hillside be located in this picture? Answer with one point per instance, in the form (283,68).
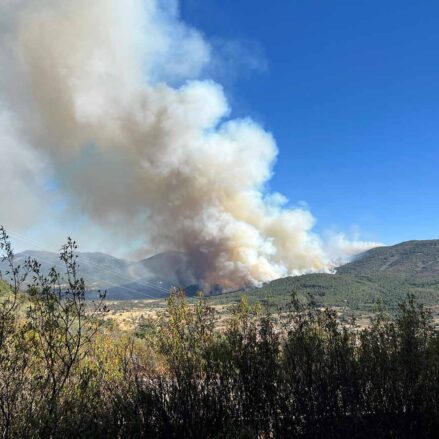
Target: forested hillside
(409,259)
(382,276)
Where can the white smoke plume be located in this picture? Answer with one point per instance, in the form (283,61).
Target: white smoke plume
(342,249)
(106,93)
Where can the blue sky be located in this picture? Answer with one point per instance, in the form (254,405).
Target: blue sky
(350,91)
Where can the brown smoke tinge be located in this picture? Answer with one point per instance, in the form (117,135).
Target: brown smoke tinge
(107,93)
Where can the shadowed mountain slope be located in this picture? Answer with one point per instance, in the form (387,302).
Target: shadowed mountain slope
(149,278)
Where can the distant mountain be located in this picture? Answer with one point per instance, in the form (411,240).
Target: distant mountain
(155,276)
(418,259)
(172,265)
(383,274)
(149,278)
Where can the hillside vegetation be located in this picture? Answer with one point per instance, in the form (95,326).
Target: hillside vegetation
(382,276)
(354,291)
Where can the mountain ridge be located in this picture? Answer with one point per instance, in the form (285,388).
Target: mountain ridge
(409,267)
(121,279)
(418,258)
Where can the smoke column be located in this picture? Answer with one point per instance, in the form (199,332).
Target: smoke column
(105,97)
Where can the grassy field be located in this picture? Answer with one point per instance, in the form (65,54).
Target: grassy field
(357,295)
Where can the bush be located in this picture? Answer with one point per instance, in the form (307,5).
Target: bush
(186,374)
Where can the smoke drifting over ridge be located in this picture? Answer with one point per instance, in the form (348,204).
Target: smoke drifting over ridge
(104,95)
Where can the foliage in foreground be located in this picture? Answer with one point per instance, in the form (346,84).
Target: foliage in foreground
(65,374)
